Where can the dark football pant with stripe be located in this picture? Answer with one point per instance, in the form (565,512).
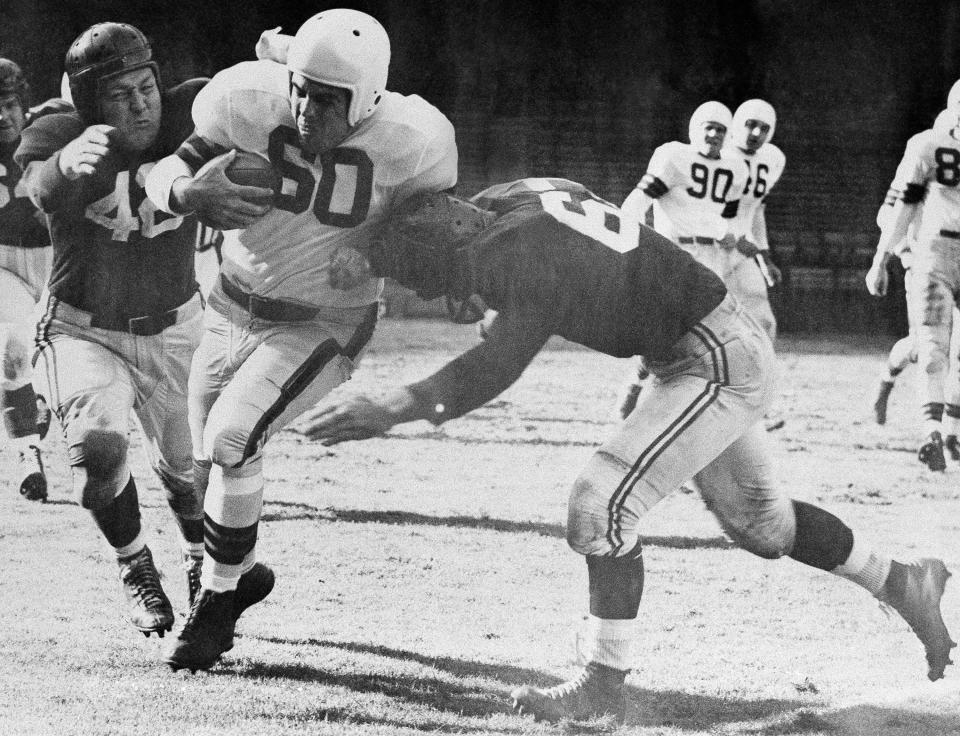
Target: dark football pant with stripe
(249,379)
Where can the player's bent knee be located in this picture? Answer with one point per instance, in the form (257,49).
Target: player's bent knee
(227,444)
(588,521)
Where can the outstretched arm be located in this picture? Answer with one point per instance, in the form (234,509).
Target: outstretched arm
(465,383)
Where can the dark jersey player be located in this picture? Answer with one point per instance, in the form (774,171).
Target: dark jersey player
(123,316)
(554,259)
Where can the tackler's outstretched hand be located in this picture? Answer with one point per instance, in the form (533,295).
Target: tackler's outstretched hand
(82,155)
(353,418)
(219,202)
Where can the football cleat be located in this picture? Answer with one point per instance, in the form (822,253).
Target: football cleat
(914,591)
(952,445)
(880,403)
(931,453)
(33,483)
(149,609)
(597,692)
(205,634)
(191,567)
(253,586)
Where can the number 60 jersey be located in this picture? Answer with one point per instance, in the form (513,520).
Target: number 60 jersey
(329,200)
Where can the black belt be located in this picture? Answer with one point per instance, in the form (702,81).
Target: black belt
(275,310)
(699,240)
(950,234)
(145,326)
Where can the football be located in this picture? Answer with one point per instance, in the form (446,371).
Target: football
(251,169)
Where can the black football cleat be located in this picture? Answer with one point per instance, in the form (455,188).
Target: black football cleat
(952,445)
(33,483)
(149,609)
(914,591)
(931,453)
(597,692)
(205,634)
(253,586)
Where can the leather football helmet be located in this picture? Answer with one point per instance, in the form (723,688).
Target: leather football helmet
(346,49)
(101,51)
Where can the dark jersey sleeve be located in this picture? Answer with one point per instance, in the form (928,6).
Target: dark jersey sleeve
(486,370)
(40,144)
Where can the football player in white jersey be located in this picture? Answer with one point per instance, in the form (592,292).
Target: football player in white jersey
(278,337)
(749,267)
(928,175)
(694,189)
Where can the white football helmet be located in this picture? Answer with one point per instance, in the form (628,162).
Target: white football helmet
(953,98)
(347,49)
(752,110)
(946,121)
(708,112)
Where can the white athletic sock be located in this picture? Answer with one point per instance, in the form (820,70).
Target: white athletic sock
(866,568)
(610,641)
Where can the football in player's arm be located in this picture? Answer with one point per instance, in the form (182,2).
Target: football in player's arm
(278,337)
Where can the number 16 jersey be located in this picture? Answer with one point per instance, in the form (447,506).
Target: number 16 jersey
(329,200)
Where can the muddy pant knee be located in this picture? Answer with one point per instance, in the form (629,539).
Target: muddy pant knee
(595,524)
(766,530)
(100,462)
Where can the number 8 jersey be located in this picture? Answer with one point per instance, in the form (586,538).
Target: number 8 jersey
(329,200)
(691,191)
(930,173)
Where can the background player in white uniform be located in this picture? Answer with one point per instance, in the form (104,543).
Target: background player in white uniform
(25,256)
(928,175)
(748,271)
(123,315)
(694,189)
(277,337)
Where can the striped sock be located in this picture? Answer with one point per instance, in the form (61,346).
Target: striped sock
(231,514)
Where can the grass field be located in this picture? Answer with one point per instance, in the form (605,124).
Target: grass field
(424,575)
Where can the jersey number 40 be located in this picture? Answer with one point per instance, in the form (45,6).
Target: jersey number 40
(342,197)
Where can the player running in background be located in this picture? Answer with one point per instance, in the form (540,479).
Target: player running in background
(277,337)
(553,259)
(123,315)
(25,256)
(749,269)
(925,189)
(694,189)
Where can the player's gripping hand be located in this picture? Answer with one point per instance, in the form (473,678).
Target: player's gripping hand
(353,418)
(218,202)
(746,247)
(877,277)
(82,155)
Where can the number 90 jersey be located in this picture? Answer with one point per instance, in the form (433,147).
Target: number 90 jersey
(559,252)
(930,173)
(329,200)
(691,191)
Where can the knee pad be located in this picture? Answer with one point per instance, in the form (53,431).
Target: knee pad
(823,541)
(587,519)
(226,443)
(100,460)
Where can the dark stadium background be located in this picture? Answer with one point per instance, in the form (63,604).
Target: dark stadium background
(588,89)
